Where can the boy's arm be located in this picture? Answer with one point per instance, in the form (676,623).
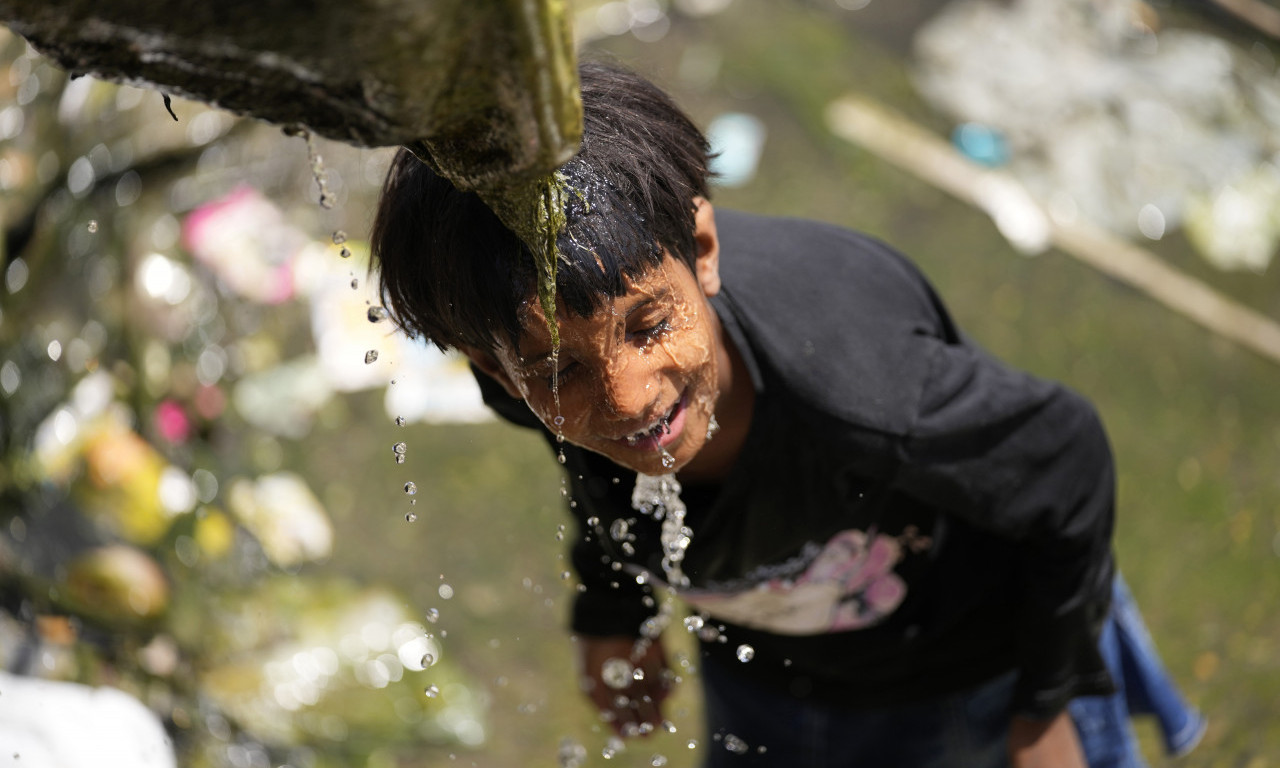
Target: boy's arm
(1029,461)
(1048,743)
(630,706)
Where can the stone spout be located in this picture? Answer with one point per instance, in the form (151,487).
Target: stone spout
(485,90)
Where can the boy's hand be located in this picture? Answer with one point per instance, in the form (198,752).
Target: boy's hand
(631,703)
(1045,743)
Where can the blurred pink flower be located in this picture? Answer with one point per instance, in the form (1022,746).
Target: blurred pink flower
(244,238)
(171,422)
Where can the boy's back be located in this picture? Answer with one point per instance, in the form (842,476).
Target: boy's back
(867,543)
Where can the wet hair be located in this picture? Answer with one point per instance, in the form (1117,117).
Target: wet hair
(451,272)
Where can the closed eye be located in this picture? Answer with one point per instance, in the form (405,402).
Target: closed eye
(566,372)
(653,331)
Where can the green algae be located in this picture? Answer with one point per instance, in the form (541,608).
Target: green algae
(535,212)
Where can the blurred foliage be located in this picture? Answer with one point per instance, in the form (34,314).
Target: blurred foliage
(195,507)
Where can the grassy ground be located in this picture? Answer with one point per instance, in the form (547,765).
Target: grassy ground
(1193,420)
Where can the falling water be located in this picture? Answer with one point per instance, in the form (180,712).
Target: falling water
(658,496)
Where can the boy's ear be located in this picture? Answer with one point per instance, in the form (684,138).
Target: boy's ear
(707,267)
(489,364)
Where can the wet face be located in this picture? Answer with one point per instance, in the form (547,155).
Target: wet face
(640,380)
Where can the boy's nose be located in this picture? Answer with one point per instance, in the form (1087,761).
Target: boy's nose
(625,393)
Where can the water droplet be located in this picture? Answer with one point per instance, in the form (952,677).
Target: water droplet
(693,744)
(339,237)
(410,488)
(445,591)
(746,653)
(668,726)
(693,623)
(400,458)
(370,356)
(617,673)
(612,748)
(431,691)
(560,457)
(558,421)
(355,283)
(571,754)
(378,314)
(566,575)
(399,449)
(734,744)
(345,252)
(427,660)
(619,529)
(93,225)
(433,615)
(401,421)
(658,761)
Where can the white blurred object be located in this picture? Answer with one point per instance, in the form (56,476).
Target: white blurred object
(49,724)
(433,386)
(737,140)
(1101,107)
(285,516)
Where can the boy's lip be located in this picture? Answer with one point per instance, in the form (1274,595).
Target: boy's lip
(662,432)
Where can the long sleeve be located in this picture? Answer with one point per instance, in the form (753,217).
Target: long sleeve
(1029,461)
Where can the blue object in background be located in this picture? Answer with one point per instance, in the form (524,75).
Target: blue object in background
(981,143)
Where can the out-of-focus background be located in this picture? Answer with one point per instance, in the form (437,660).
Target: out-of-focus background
(231,491)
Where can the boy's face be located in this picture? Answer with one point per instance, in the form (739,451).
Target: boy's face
(639,380)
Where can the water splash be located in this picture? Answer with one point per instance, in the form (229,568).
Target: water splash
(658,496)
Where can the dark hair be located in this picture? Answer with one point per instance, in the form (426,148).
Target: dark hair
(451,272)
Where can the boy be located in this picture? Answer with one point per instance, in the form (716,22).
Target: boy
(898,549)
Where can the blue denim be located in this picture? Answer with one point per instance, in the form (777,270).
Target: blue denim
(1143,687)
(758,727)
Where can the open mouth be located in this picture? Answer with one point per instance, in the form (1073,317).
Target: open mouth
(662,433)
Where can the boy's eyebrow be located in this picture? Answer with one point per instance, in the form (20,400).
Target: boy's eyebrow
(542,358)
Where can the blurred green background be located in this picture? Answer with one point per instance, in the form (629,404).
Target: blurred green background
(280,588)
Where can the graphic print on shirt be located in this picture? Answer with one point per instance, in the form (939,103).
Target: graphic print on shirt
(850,584)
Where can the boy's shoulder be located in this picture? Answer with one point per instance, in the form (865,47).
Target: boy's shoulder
(837,318)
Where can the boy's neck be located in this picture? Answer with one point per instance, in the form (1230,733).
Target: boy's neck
(734,409)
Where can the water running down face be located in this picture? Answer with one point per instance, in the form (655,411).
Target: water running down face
(639,381)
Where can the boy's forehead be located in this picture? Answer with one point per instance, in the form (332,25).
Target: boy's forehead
(534,343)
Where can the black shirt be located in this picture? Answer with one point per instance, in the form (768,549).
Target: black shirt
(908,517)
